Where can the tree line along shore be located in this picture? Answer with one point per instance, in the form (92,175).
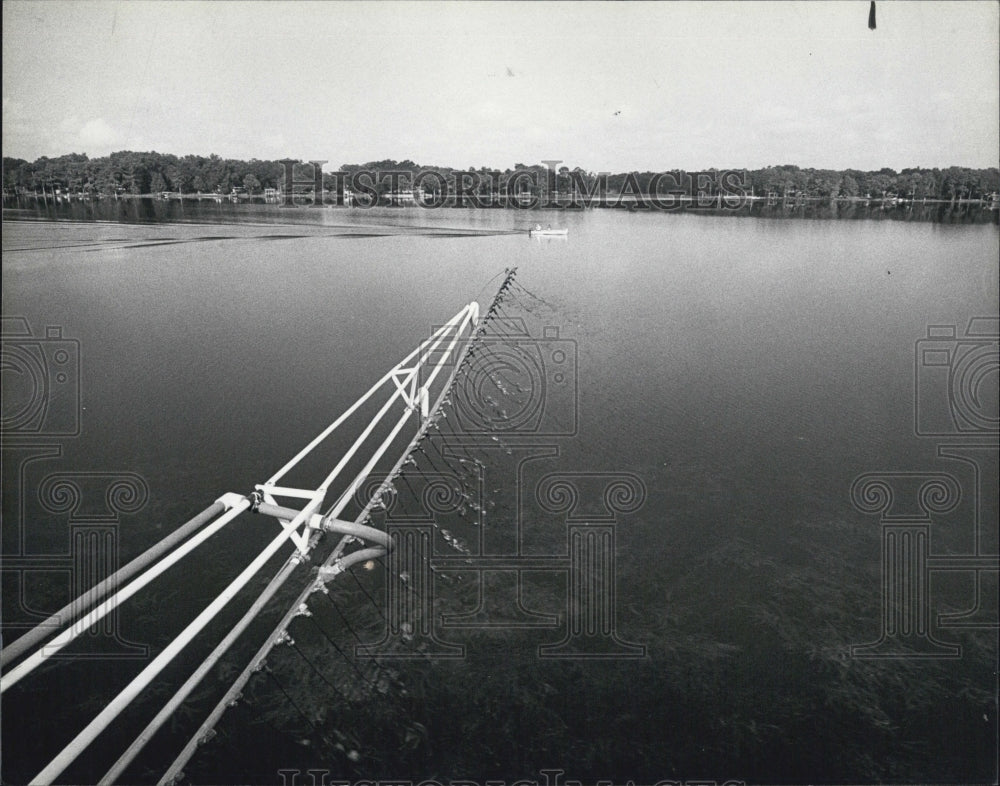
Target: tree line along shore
(130,173)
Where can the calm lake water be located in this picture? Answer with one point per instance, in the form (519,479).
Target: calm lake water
(746,370)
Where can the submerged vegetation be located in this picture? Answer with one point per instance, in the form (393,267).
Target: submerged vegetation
(760,692)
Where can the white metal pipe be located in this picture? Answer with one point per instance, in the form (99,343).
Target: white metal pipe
(192,682)
(285,491)
(362,438)
(361,555)
(437,339)
(350,411)
(146,676)
(111,603)
(129,693)
(343,527)
(348,493)
(174,770)
(335,558)
(79,605)
(334,525)
(336,510)
(473,310)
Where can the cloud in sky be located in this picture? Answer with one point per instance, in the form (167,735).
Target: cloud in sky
(97,134)
(600,85)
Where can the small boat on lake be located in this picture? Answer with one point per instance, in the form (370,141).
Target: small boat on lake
(548,232)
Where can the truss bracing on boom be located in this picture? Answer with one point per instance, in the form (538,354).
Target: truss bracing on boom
(414,392)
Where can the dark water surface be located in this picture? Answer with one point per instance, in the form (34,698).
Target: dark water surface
(746,371)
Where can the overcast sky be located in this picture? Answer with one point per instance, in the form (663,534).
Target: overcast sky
(605,86)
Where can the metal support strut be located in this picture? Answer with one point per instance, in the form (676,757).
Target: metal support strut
(412,387)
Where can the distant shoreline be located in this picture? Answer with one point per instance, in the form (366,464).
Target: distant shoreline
(559,201)
(131,174)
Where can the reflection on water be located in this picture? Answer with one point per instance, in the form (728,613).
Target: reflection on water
(745,370)
(957,213)
(219,210)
